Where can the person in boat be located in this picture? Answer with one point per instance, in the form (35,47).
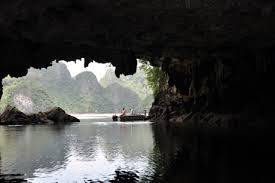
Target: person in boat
(123,112)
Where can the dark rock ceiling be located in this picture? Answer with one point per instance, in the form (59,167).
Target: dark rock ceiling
(35,32)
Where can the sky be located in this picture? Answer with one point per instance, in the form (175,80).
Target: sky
(76,67)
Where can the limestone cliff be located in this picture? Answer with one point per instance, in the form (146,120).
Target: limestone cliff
(27,95)
(92,94)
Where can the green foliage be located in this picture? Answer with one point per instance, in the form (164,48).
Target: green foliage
(30,89)
(153,76)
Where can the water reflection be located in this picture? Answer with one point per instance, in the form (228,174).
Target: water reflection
(77,152)
(103,151)
(25,149)
(214,156)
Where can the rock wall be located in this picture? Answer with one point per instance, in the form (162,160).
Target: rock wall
(226,89)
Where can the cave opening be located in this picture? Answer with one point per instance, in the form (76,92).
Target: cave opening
(79,88)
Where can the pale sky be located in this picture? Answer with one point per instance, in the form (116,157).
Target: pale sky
(76,67)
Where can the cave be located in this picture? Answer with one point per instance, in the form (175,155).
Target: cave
(217,55)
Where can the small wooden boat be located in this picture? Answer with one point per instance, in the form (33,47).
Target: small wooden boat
(136,117)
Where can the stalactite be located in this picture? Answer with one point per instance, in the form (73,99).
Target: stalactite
(187,4)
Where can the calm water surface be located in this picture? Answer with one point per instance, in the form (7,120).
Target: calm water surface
(90,150)
(98,150)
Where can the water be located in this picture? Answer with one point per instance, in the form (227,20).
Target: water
(98,150)
(90,150)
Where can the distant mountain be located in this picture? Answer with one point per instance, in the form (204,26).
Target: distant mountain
(137,83)
(92,94)
(42,89)
(59,85)
(121,97)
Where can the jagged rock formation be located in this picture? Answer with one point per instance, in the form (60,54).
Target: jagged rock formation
(223,45)
(12,116)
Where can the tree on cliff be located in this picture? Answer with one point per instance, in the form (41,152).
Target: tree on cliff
(153,76)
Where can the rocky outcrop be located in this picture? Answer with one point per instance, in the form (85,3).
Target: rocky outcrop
(58,115)
(12,116)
